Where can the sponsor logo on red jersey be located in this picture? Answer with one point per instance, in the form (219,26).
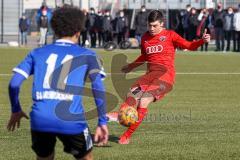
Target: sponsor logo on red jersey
(154,49)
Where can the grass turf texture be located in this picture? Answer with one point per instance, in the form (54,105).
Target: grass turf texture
(199,119)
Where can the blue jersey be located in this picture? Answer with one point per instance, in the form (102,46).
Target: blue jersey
(60,71)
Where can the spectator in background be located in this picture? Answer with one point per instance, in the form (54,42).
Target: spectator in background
(99,25)
(192,24)
(228,26)
(43,25)
(84,32)
(107,27)
(218,21)
(39,12)
(180,29)
(203,24)
(185,21)
(121,26)
(175,22)
(141,23)
(48,13)
(236,24)
(92,27)
(210,20)
(24,25)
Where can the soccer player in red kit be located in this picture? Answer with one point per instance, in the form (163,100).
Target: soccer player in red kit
(158,47)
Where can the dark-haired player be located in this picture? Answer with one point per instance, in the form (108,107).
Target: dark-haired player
(158,47)
(60,71)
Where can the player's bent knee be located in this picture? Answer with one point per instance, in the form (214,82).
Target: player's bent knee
(146,99)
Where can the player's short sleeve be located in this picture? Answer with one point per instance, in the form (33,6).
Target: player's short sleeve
(95,66)
(25,68)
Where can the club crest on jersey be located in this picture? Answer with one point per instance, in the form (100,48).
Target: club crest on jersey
(162,38)
(154,49)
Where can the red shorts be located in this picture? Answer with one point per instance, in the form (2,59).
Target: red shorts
(157,83)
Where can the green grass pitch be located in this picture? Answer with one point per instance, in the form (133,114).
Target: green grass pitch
(198,120)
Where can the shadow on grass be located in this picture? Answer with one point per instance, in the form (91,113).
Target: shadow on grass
(112,138)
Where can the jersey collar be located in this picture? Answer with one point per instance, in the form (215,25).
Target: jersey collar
(64,41)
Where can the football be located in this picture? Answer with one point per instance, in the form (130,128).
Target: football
(128,116)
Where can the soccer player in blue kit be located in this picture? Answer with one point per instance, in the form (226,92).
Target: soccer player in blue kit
(59,73)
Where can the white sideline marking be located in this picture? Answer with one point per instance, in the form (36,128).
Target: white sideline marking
(209,73)
(178,73)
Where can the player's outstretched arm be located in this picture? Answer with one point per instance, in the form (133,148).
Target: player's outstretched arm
(17,113)
(101,133)
(190,45)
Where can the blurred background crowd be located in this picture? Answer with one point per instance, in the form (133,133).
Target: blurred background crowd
(120,24)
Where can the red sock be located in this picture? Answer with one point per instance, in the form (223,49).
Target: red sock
(130,101)
(142,112)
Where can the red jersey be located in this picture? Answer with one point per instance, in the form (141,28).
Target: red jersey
(159,51)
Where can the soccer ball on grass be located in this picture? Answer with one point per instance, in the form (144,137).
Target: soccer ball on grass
(128,116)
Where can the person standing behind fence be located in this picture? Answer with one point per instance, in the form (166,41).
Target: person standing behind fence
(236,24)
(228,27)
(44,7)
(218,21)
(203,24)
(24,25)
(141,24)
(99,25)
(193,23)
(43,25)
(92,27)
(107,27)
(84,32)
(121,26)
(185,21)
